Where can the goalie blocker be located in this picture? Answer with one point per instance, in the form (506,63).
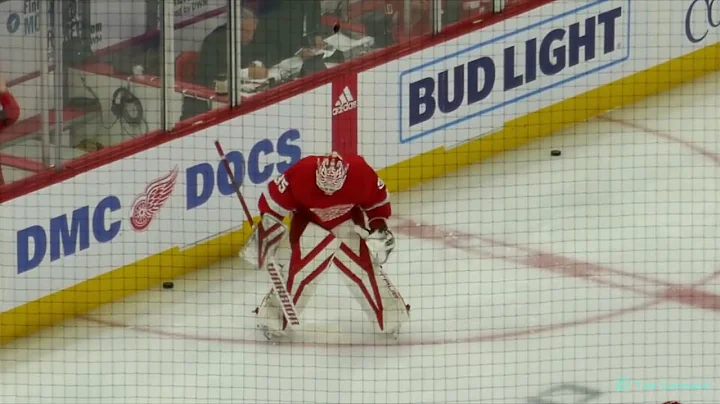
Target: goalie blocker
(329,198)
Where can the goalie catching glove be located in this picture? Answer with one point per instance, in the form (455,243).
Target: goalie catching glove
(380,242)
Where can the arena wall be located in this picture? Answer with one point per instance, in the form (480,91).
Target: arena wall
(95,243)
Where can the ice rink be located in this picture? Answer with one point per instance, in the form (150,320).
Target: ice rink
(592,277)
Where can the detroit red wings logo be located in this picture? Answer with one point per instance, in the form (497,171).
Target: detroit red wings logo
(147,205)
(331,213)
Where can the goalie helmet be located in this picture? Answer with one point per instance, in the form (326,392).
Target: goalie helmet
(331,173)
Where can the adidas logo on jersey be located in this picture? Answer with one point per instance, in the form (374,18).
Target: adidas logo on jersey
(345,102)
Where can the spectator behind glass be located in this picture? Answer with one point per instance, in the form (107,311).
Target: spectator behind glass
(285,27)
(280,32)
(10,108)
(214,52)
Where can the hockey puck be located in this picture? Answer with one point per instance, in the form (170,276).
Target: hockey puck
(168,285)
(555,153)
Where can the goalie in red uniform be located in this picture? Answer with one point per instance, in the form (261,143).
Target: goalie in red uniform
(339,210)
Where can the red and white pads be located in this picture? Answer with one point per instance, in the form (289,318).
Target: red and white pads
(264,241)
(260,251)
(316,250)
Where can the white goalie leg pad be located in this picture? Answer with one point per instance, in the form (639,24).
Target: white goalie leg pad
(264,241)
(396,310)
(379,298)
(276,305)
(310,257)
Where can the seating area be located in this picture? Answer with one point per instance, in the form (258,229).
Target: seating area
(114,89)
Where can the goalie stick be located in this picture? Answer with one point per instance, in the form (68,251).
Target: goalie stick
(284,297)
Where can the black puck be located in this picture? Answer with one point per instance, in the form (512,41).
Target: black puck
(168,285)
(555,153)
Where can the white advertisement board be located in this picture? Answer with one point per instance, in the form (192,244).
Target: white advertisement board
(174,195)
(471,86)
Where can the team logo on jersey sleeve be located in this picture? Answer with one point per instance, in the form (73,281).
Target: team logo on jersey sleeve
(331,213)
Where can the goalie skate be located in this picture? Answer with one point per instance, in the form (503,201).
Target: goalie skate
(272,335)
(394,333)
(270,317)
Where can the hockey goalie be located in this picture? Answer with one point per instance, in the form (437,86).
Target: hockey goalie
(339,210)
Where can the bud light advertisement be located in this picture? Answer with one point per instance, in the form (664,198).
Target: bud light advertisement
(538,61)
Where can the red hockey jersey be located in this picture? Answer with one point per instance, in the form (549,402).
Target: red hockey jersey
(295,191)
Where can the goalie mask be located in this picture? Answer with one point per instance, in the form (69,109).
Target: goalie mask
(331,173)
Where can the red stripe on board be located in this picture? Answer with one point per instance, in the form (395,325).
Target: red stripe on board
(154,81)
(34,124)
(20,163)
(200,17)
(26,77)
(345,114)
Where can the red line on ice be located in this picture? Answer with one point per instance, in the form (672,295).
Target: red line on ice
(686,294)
